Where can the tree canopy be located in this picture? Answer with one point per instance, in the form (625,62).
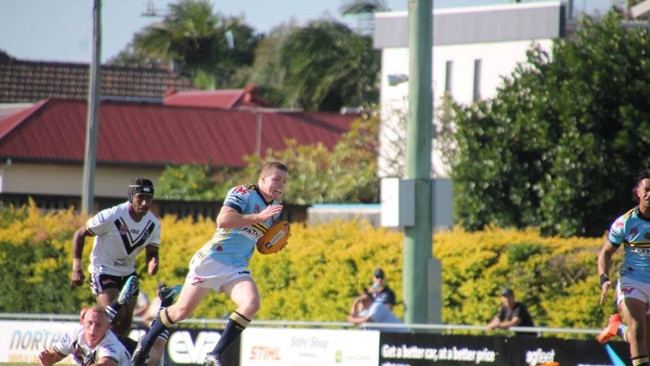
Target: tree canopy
(559,145)
(322,66)
(329,66)
(345,174)
(199,42)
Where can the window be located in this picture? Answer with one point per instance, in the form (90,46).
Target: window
(448,70)
(477,80)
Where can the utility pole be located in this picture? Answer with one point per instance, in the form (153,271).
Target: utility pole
(417,238)
(94,89)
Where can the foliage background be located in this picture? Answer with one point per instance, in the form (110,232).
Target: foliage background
(321,271)
(316,175)
(322,66)
(559,145)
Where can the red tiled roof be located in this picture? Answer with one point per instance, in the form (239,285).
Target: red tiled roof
(152,134)
(31,81)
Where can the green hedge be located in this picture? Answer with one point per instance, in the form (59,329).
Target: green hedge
(324,267)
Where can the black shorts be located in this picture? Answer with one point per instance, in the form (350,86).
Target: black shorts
(100,282)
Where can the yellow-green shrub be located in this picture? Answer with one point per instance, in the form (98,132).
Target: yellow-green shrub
(321,271)
(555,277)
(35,260)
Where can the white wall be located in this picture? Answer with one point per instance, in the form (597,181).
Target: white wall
(498,60)
(68,179)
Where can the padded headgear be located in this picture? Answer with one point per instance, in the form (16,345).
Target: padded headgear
(140,185)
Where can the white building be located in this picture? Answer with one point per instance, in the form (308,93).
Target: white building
(474,48)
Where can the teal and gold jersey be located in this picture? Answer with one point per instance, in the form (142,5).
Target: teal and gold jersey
(235,246)
(633,232)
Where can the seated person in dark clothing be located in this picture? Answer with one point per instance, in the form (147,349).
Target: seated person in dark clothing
(511,314)
(380,290)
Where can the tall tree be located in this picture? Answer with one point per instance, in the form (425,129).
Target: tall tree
(131,57)
(559,145)
(267,70)
(328,66)
(200,42)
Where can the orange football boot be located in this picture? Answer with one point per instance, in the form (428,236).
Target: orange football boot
(610,329)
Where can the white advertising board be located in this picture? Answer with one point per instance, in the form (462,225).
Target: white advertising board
(21,341)
(308,347)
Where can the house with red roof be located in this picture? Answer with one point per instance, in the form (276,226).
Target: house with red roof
(42,147)
(141,130)
(26,82)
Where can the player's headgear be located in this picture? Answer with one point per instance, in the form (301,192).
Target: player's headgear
(140,185)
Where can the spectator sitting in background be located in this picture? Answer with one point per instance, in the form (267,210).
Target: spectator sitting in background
(511,314)
(365,309)
(380,289)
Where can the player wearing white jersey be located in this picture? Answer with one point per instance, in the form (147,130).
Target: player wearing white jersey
(92,344)
(631,232)
(120,234)
(222,263)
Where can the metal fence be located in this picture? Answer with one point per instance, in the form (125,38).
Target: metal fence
(424,328)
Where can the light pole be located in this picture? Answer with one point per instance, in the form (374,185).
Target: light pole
(88,189)
(418,262)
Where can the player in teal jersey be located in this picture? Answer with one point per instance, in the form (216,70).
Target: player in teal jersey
(222,263)
(631,231)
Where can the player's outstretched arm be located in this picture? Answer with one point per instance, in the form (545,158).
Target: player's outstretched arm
(77,277)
